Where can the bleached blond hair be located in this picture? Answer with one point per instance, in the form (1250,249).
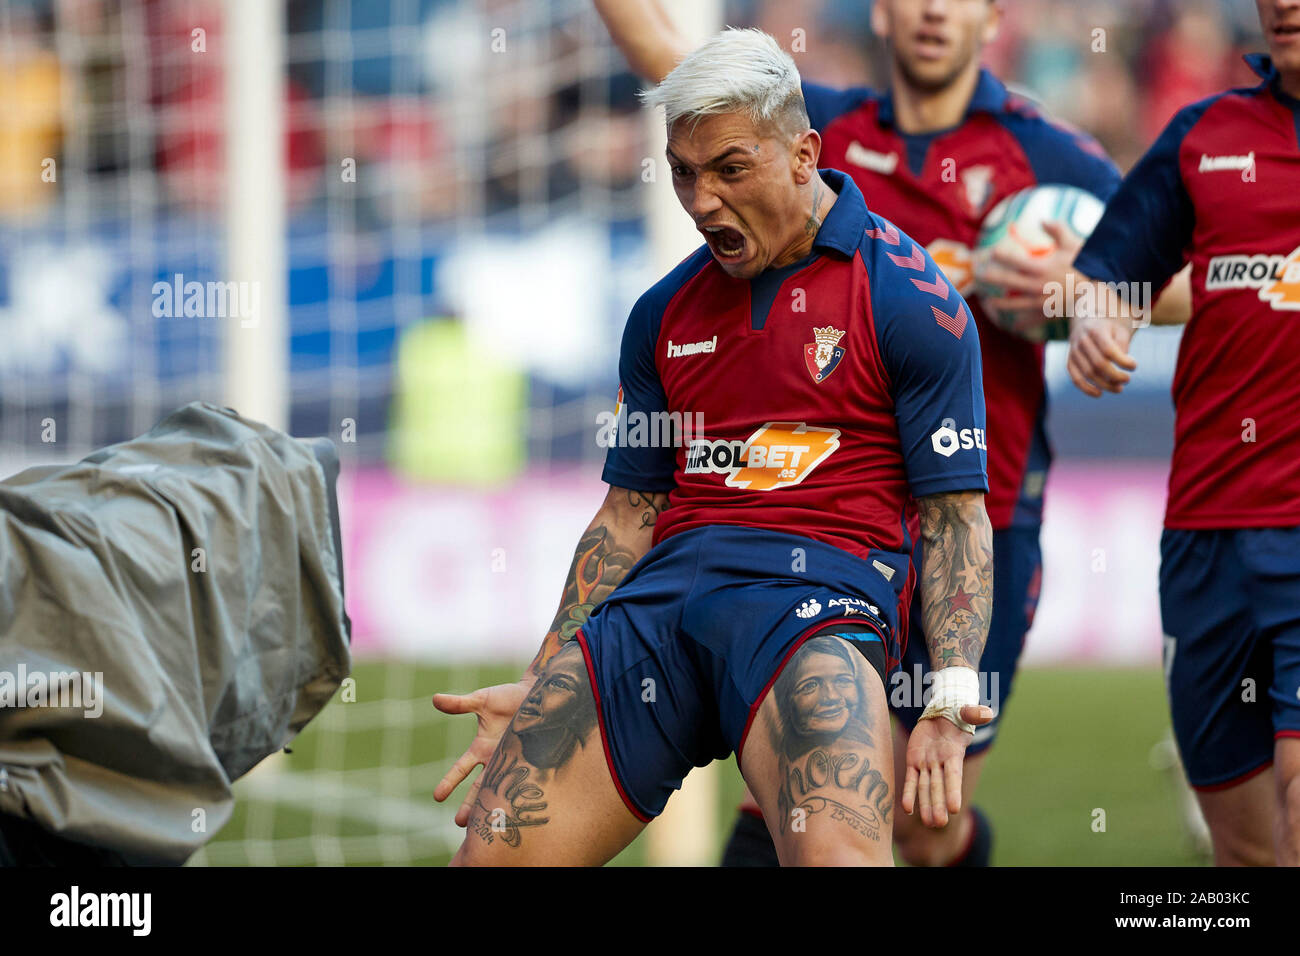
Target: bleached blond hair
(737,71)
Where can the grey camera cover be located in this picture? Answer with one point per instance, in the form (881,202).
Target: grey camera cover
(196,571)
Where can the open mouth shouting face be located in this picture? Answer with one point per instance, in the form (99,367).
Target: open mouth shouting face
(736,180)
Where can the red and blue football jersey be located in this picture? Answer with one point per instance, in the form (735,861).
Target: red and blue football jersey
(939,187)
(814,400)
(1219,188)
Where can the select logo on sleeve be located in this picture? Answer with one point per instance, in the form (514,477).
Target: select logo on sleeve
(948,440)
(777,455)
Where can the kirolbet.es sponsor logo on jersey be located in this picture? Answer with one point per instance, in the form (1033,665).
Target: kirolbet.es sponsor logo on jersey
(1276,277)
(948,439)
(777,455)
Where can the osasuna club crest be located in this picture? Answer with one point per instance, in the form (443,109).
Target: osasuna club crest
(978,181)
(823,355)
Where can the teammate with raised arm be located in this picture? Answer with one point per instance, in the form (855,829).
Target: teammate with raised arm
(836,372)
(1218,189)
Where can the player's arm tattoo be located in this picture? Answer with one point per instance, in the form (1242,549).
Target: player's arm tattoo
(647,506)
(558,716)
(956,577)
(820,725)
(616,540)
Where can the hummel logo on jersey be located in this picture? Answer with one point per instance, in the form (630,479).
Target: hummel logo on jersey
(809,609)
(692,348)
(947,439)
(777,455)
(859,155)
(1276,277)
(1218,164)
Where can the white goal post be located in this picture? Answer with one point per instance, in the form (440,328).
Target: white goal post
(255,362)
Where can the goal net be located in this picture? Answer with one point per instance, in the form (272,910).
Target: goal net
(463,198)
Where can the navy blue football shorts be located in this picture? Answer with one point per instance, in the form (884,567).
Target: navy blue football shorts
(1230,605)
(683,651)
(1017,573)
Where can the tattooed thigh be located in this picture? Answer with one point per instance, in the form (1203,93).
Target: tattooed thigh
(547,789)
(825,727)
(555,723)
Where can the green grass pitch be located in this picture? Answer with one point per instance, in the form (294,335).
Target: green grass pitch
(1074,741)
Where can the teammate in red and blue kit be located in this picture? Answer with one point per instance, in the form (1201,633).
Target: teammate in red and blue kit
(1219,189)
(816,377)
(935,153)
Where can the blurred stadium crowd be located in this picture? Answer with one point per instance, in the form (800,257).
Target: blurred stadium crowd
(414,81)
(427,139)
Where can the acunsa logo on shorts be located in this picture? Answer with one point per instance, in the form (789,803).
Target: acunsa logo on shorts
(948,440)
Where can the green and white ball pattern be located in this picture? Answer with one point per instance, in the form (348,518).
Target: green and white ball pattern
(1018,221)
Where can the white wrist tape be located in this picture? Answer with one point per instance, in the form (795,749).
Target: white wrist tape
(952,689)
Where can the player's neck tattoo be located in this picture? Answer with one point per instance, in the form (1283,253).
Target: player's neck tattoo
(814,219)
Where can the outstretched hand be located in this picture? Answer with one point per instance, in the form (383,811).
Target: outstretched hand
(935,751)
(494,707)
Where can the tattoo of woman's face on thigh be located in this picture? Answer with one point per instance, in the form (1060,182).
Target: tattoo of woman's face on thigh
(820,699)
(559,712)
(821,720)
